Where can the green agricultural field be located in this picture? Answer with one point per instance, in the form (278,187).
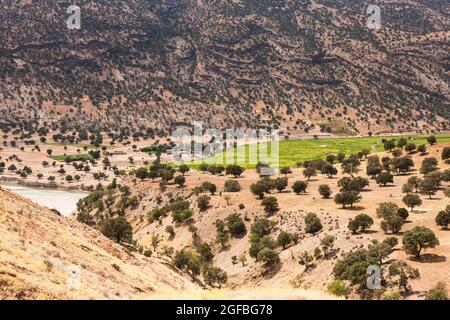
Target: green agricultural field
(72,157)
(293,151)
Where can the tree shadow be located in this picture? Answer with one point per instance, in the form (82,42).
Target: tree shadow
(241,235)
(354,208)
(369,232)
(225,248)
(406,294)
(429,258)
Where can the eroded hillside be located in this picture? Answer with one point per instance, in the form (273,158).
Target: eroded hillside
(45,256)
(305,66)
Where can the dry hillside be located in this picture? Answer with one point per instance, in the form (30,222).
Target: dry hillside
(305,66)
(433,266)
(42,256)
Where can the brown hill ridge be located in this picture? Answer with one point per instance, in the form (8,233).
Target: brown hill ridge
(292,64)
(45,256)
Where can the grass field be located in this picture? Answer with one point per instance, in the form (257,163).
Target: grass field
(293,151)
(72,157)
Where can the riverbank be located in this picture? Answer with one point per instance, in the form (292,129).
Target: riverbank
(44,185)
(62,200)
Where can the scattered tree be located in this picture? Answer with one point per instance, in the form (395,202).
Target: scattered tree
(419,238)
(412,201)
(401,273)
(325,191)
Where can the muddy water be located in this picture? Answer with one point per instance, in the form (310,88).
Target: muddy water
(63,201)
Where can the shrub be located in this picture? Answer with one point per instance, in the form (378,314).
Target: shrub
(262,227)
(180,180)
(234,170)
(443,218)
(403,213)
(141,173)
(313,224)
(232,186)
(214,276)
(325,191)
(187,259)
(338,288)
(268,256)
(299,186)
(327,243)
(156,214)
(183,169)
(391,241)
(203,202)
(210,187)
(281,183)
(446,154)
(284,239)
(361,222)
(392,223)
(117,229)
(392,296)
(205,252)
(181,215)
(170,230)
(235,224)
(439,292)
(270,205)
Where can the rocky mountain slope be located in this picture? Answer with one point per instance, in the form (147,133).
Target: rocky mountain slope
(45,256)
(292,64)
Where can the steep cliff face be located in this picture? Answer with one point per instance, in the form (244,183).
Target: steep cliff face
(45,256)
(277,63)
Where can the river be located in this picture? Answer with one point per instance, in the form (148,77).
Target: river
(63,201)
